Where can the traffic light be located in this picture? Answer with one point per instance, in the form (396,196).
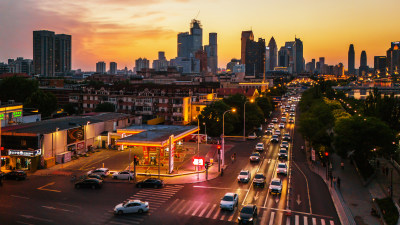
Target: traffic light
(219,149)
(206,165)
(135,160)
(326,154)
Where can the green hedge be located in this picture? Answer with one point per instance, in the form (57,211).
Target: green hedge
(389,210)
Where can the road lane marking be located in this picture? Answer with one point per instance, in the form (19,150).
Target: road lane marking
(24,223)
(197,209)
(204,210)
(233,213)
(54,208)
(45,189)
(223,216)
(190,208)
(272,177)
(322,222)
(296,220)
(218,211)
(308,190)
(183,207)
(252,181)
(271,219)
(212,209)
(305,220)
(75,206)
(314,221)
(17,196)
(88,164)
(241,189)
(264,217)
(331,222)
(180,204)
(170,206)
(287,220)
(37,218)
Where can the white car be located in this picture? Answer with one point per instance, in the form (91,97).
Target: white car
(285,145)
(292,114)
(275,187)
(244,176)
(283,119)
(282,168)
(274,120)
(275,139)
(271,125)
(282,125)
(255,157)
(278,132)
(229,201)
(134,206)
(123,175)
(282,154)
(260,146)
(100,171)
(252,136)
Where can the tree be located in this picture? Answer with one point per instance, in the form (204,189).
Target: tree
(265,104)
(17,88)
(212,116)
(70,108)
(105,107)
(45,102)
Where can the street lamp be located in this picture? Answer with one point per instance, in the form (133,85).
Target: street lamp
(222,155)
(244,118)
(198,144)
(87,124)
(205,130)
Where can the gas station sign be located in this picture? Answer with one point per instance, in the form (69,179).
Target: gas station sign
(198,161)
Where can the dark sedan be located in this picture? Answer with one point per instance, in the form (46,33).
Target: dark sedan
(151,182)
(15,175)
(248,214)
(89,183)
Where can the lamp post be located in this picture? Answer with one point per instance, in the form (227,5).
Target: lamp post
(244,118)
(205,130)
(222,155)
(87,124)
(198,146)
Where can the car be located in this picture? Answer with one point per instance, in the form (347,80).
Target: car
(259,180)
(255,157)
(248,214)
(89,183)
(288,106)
(293,105)
(15,175)
(252,136)
(132,206)
(286,137)
(278,132)
(275,138)
(95,176)
(292,114)
(271,125)
(282,168)
(275,187)
(292,109)
(123,175)
(274,120)
(291,120)
(244,176)
(100,171)
(282,106)
(283,119)
(229,201)
(282,125)
(269,131)
(260,146)
(285,145)
(286,110)
(282,154)
(150,182)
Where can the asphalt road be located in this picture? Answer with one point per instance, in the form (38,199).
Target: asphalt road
(53,199)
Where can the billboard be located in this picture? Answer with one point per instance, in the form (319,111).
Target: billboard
(75,135)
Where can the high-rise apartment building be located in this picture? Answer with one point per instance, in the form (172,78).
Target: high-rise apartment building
(62,53)
(273,54)
(351,61)
(189,44)
(380,65)
(160,64)
(101,67)
(141,63)
(113,68)
(255,58)
(246,35)
(363,64)
(43,53)
(298,56)
(212,53)
(21,65)
(393,58)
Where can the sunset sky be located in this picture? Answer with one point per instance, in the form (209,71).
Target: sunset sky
(124,30)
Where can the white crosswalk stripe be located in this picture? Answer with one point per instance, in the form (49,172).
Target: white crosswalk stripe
(322,222)
(305,220)
(332,223)
(296,219)
(212,209)
(204,210)
(271,218)
(197,209)
(314,221)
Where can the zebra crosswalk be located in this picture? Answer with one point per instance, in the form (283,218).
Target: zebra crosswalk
(212,211)
(155,197)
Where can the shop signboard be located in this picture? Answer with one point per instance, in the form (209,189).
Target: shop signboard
(72,147)
(80,146)
(198,161)
(28,153)
(171,153)
(75,135)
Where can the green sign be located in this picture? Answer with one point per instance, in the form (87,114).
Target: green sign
(2,116)
(17,114)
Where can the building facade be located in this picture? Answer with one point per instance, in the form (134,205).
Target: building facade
(113,68)
(273,54)
(62,53)
(212,53)
(393,58)
(255,58)
(44,53)
(141,63)
(246,35)
(351,60)
(363,64)
(101,67)
(298,56)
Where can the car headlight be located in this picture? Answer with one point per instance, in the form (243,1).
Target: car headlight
(239,218)
(251,219)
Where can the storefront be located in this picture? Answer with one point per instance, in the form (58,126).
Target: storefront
(22,159)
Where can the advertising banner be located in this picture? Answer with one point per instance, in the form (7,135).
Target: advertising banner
(75,135)
(171,153)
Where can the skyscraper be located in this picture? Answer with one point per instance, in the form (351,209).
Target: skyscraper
(141,64)
(351,60)
(273,53)
(212,52)
(189,44)
(43,53)
(380,65)
(283,57)
(62,53)
(246,35)
(113,68)
(298,56)
(160,64)
(363,64)
(321,65)
(101,67)
(255,58)
(393,58)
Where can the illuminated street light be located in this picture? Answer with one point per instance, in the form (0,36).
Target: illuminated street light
(222,155)
(244,118)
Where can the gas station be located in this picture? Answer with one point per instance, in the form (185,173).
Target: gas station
(155,144)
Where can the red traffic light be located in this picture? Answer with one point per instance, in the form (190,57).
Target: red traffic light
(218,146)
(326,153)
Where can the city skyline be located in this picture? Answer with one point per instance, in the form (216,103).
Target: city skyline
(132,29)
